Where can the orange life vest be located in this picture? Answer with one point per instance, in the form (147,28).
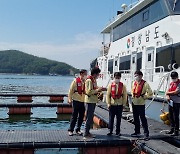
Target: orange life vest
(113,90)
(80,87)
(138,88)
(174,85)
(93,81)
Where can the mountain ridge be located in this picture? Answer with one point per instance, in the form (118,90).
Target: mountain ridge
(15,61)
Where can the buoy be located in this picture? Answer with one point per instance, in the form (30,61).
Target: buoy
(56,99)
(164,116)
(99,122)
(167,122)
(64,110)
(24,99)
(19,110)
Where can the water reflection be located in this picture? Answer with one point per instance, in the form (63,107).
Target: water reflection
(28,122)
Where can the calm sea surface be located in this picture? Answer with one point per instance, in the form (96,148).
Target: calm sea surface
(42,118)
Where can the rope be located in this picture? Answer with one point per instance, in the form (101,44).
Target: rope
(162,80)
(137,146)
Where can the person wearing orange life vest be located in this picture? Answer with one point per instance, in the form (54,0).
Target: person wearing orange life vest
(173,94)
(91,98)
(76,98)
(116,98)
(140,92)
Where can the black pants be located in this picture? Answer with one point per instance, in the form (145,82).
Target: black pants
(139,113)
(115,111)
(78,113)
(174,115)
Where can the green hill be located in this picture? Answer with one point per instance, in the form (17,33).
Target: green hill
(13,61)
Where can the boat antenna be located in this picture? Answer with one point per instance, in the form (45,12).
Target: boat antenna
(113,8)
(131,4)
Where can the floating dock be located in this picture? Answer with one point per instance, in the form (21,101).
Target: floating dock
(26,141)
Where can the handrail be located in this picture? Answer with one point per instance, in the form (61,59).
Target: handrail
(154,68)
(125,71)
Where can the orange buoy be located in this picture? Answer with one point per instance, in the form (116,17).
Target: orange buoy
(99,121)
(167,122)
(164,116)
(24,99)
(64,110)
(56,99)
(19,110)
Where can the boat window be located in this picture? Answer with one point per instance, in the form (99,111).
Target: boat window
(110,66)
(157,11)
(149,57)
(175,5)
(124,63)
(143,18)
(146,15)
(115,63)
(139,60)
(129,24)
(177,54)
(133,60)
(123,30)
(137,20)
(116,33)
(166,60)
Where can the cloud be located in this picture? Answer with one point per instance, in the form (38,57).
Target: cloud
(77,53)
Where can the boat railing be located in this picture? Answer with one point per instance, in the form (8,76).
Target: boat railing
(159,70)
(125,71)
(134,4)
(150,73)
(127,74)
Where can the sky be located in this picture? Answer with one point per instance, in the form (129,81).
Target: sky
(62,30)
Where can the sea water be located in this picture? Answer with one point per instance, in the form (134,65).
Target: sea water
(42,118)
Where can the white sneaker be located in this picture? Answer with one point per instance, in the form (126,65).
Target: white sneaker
(70,133)
(79,133)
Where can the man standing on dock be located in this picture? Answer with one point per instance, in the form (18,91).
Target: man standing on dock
(91,98)
(140,92)
(173,95)
(116,98)
(76,98)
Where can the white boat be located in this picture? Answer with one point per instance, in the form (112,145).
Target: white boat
(144,36)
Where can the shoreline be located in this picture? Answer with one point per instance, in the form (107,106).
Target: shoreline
(35,74)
